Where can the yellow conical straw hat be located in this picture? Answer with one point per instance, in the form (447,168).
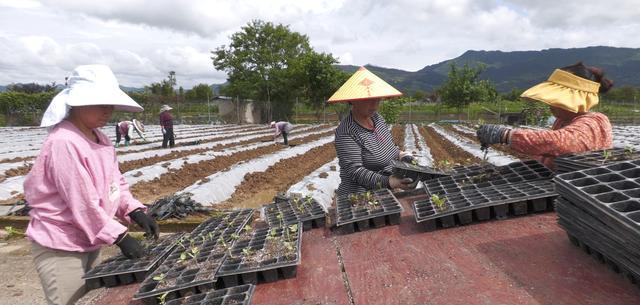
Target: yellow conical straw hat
(363,85)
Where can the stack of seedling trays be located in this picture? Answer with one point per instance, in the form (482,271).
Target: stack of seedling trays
(413,171)
(576,162)
(485,192)
(295,210)
(191,267)
(240,295)
(120,270)
(600,210)
(365,210)
(262,255)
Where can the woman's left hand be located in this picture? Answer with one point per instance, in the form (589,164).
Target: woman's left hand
(147,223)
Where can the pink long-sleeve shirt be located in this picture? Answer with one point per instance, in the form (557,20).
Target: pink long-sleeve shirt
(75,190)
(590,131)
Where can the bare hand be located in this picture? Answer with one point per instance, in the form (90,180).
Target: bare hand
(400,183)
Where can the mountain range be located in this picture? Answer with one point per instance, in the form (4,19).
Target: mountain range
(518,69)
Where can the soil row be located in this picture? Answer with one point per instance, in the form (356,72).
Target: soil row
(499,147)
(133,164)
(178,179)
(397,133)
(259,188)
(444,152)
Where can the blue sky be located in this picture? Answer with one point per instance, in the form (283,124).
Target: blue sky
(43,41)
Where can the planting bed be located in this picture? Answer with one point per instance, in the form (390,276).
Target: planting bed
(191,267)
(264,255)
(120,270)
(365,210)
(488,176)
(397,133)
(445,154)
(575,162)
(462,132)
(481,204)
(240,295)
(295,210)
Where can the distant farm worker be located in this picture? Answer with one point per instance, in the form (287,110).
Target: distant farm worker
(282,128)
(75,188)
(127,128)
(166,124)
(363,141)
(570,92)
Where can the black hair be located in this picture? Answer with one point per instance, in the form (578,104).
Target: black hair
(591,73)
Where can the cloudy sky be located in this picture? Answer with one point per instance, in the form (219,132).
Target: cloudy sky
(41,41)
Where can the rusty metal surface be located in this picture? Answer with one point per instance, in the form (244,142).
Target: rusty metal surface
(523,260)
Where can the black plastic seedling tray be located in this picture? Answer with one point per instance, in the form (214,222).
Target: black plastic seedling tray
(120,270)
(239,295)
(576,162)
(240,268)
(383,210)
(484,203)
(192,266)
(488,177)
(295,210)
(416,172)
(612,191)
(599,238)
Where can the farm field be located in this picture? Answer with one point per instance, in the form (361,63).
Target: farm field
(240,166)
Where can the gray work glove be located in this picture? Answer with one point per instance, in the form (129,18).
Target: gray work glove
(492,134)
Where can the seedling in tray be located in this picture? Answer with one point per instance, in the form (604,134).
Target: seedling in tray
(120,270)
(295,210)
(363,210)
(265,255)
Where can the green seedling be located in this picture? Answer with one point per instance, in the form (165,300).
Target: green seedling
(247,228)
(13,233)
(193,252)
(160,277)
(438,202)
(272,234)
(234,236)
(183,257)
(628,152)
(247,251)
(606,154)
(162,299)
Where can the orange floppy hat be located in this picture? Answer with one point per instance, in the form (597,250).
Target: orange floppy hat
(363,85)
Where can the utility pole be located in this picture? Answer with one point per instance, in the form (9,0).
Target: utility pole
(208,108)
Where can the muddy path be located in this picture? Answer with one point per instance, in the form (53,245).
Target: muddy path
(397,133)
(260,187)
(134,164)
(445,152)
(499,147)
(177,179)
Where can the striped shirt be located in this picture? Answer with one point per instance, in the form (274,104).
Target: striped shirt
(364,155)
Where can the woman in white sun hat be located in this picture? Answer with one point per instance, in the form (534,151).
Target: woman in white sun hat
(126,129)
(75,188)
(282,128)
(166,124)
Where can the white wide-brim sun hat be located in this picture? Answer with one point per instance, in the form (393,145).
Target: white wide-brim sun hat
(88,85)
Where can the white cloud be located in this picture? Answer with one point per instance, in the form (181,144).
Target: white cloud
(143,40)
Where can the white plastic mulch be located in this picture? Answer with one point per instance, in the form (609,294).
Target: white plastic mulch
(493,156)
(321,184)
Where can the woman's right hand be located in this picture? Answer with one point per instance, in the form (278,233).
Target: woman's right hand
(130,246)
(400,183)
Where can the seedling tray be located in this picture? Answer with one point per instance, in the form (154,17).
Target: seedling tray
(295,210)
(488,177)
(120,270)
(239,295)
(363,216)
(484,203)
(599,239)
(612,190)
(187,271)
(576,162)
(415,172)
(252,259)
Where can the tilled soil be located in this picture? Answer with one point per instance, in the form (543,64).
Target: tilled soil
(16,159)
(178,179)
(259,188)
(499,147)
(20,171)
(397,133)
(133,164)
(444,151)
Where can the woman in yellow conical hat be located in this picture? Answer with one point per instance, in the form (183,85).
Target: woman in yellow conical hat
(570,92)
(363,142)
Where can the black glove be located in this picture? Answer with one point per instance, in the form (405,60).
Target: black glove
(407,158)
(129,246)
(492,134)
(147,223)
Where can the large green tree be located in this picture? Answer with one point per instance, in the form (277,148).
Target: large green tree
(199,92)
(260,62)
(464,86)
(318,78)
